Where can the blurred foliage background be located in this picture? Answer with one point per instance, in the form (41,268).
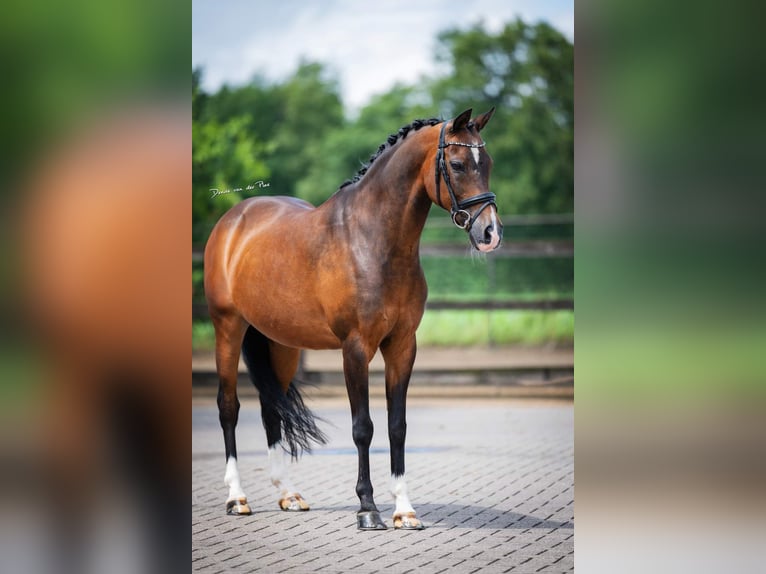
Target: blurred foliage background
(669,429)
(297,138)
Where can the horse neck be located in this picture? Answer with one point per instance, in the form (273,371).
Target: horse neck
(390,202)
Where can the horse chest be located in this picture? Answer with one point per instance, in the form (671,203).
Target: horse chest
(373,299)
(390,296)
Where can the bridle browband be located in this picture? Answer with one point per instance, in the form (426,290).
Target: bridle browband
(458,208)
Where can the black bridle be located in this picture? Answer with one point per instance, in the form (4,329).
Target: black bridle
(460,216)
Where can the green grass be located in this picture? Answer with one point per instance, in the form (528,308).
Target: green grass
(461,278)
(471,328)
(464,328)
(203,336)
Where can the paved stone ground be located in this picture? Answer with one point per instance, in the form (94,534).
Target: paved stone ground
(493,480)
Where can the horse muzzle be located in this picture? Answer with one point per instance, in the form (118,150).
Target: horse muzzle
(486,234)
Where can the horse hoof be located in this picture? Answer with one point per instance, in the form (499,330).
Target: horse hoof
(293,503)
(407,522)
(238,507)
(370,520)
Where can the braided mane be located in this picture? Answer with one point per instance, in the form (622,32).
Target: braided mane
(392,140)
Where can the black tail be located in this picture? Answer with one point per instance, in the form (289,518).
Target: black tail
(298,422)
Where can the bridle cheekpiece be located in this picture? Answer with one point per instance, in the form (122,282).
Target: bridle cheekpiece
(458,209)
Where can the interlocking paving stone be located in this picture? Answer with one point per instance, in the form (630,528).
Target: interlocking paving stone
(492,480)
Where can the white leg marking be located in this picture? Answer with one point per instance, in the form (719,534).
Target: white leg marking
(231,479)
(399,492)
(475,152)
(278,472)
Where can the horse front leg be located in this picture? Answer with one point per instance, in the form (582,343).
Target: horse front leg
(355,367)
(399,356)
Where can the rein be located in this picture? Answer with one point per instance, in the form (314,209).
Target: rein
(458,209)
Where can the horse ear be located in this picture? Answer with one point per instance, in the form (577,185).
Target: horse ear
(482,120)
(461,121)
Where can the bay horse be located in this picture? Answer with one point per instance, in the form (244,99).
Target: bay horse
(282,275)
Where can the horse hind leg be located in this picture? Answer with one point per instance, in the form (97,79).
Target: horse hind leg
(289,497)
(228,338)
(272,368)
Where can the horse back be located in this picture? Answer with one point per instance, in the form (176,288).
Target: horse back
(237,233)
(263,262)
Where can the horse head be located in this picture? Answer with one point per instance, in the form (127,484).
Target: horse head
(462,165)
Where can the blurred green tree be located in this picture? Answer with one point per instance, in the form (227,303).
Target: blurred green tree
(336,158)
(226,157)
(526,72)
(311,109)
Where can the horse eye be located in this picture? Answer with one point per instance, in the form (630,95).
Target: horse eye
(456,165)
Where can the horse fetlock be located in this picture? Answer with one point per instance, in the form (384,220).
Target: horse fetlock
(401,496)
(231,479)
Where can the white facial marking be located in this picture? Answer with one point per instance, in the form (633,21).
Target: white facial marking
(475,152)
(278,471)
(399,492)
(494,235)
(231,479)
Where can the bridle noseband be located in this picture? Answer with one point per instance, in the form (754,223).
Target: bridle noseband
(458,208)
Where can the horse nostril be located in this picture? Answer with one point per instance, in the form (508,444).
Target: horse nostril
(488,233)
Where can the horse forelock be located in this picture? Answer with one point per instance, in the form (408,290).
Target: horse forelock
(390,142)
